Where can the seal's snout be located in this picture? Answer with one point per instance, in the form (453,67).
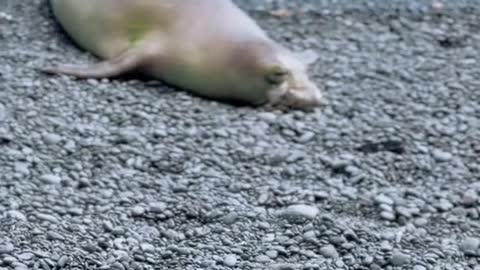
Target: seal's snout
(307,97)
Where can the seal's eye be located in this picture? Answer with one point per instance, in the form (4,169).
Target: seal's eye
(276,75)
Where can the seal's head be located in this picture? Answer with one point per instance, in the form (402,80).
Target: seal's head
(287,80)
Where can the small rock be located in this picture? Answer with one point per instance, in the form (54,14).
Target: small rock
(267,117)
(8,260)
(51,235)
(329,251)
(50,179)
(383,199)
(469,198)
(444,205)
(262,258)
(184,251)
(27,256)
(388,215)
(230,218)
(399,259)
(300,211)
(146,247)
(138,210)
(230,260)
(6,248)
(441,156)
(14,214)
(47,217)
(272,253)
(420,222)
(51,138)
(157,207)
(62,261)
(283,266)
(470,246)
(419,267)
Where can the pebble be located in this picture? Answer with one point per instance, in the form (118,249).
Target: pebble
(6,248)
(27,256)
(379,199)
(62,261)
(419,267)
(262,258)
(441,156)
(300,211)
(51,179)
(469,198)
(267,116)
(230,260)
(388,215)
(444,205)
(329,251)
(272,253)
(470,246)
(149,248)
(138,210)
(284,266)
(51,235)
(14,214)
(157,207)
(399,259)
(230,218)
(51,138)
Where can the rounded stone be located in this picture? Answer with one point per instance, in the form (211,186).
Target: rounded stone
(329,251)
(470,246)
(399,259)
(300,211)
(230,260)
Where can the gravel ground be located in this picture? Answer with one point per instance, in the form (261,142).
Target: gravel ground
(130,174)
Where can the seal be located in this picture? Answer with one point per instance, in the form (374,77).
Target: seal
(209,47)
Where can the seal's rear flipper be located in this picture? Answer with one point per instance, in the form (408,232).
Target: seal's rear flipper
(126,62)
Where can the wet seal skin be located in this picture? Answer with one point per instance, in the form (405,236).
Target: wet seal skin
(210,47)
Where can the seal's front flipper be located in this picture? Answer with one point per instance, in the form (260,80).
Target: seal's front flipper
(125,62)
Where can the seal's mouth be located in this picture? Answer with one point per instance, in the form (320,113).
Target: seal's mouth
(289,95)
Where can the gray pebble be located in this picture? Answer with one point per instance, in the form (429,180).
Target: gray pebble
(230,218)
(444,205)
(267,116)
(469,198)
(441,156)
(51,179)
(137,210)
(157,207)
(284,266)
(329,251)
(388,215)
(146,247)
(272,253)
(51,235)
(27,256)
(300,211)
(262,258)
(14,214)
(230,260)
(6,248)
(470,246)
(383,199)
(419,267)
(62,261)
(7,259)
(399,259)
(47,217)
(50,138)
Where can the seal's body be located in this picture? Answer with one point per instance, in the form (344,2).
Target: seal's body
(210,47)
